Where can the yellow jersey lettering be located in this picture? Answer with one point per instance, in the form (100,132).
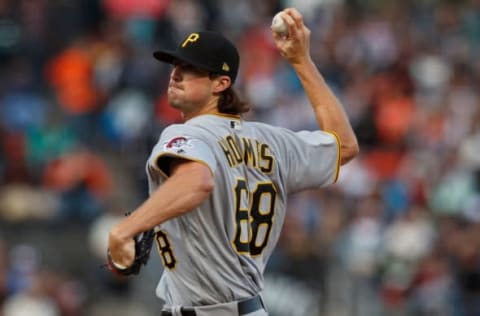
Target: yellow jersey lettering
(227,152)
(267,157)
(248,153)
(255,155)
(234,147)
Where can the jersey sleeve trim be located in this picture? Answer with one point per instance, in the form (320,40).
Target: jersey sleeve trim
(339,155)
(164,174)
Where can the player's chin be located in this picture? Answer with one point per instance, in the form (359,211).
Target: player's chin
(173,95)
(174,102)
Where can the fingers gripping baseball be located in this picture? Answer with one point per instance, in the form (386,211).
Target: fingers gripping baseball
(294,44)
(136,255)
(126,257)
(123,255)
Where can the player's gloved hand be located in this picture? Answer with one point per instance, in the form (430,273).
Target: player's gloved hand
(143,246)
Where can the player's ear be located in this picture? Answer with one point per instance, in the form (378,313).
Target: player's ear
(221,83)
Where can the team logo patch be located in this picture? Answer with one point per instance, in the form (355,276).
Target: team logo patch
(178,144)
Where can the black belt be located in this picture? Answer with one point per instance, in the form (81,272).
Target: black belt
(246,306)
(185,311)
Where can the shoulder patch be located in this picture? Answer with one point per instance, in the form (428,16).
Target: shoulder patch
(178,144)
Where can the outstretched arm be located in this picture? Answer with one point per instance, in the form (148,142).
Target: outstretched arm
(189,185)
(330,115)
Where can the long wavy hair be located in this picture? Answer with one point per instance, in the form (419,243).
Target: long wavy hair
(230,103)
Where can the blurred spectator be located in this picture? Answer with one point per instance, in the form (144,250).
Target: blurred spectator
(14,159)
(24,262)
(432,287)
(360,251)
(22,106)
(127,117)
(71,75)
(406,243)
(23,202)
(82,180)
(4,266)
(357,181)
(461,242)
(30,303)
(136,8)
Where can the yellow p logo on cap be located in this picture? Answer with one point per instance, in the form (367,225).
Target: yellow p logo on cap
(191,38)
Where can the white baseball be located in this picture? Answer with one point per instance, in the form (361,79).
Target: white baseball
(279,25)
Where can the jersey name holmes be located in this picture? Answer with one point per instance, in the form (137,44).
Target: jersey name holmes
(251,152)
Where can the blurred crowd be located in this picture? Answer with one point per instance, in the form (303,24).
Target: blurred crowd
(82,102)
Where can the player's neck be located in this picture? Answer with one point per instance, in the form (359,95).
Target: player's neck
(210,108)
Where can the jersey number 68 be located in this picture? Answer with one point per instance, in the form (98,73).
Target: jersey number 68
(253,224)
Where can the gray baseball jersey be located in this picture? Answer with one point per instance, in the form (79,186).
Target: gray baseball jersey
(217,252)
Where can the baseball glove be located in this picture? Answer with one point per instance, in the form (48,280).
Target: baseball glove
(143,246)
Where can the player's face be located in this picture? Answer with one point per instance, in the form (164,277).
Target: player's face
(189,87)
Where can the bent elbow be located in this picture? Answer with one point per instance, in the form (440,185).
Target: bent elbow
(200,187)
(349,152)
(206,182)
(207,185)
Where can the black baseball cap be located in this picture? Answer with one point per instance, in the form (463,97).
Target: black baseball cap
(205,50)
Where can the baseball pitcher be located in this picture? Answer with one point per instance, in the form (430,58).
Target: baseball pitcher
(219,184)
